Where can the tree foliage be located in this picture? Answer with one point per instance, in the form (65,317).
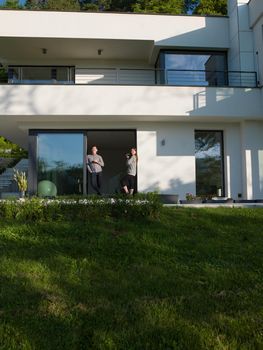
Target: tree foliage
(69,5)
(159,6)
(212,7)
(12,4)
(9,149)
(202,7)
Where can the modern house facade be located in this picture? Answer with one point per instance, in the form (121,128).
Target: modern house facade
(185,90)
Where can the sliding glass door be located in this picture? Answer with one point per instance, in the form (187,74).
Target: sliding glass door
(60,161)
(57,160)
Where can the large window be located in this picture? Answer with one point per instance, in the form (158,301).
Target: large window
(201,68)
(40,75)
(209,163)
(60,161)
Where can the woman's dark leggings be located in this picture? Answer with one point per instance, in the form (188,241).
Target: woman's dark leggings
(96,181)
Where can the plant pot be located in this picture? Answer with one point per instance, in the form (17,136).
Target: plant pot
(169,198)
(216,201)
(193,201)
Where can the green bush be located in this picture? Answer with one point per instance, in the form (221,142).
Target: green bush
(11,150)
(141,206)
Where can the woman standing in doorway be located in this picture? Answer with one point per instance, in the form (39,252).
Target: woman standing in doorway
(95,164)
(128,182)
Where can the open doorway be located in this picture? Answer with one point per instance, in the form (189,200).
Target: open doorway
(112,146)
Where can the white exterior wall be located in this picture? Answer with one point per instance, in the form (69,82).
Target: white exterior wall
(256,23)
(151,102)
(258,42)
(181,31)
(255,11)
(252,157)
(241,53)
(171,168)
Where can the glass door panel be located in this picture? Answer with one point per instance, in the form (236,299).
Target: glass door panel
(209,163)
(60,160)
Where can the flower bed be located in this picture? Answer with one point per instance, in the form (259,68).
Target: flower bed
(85,209)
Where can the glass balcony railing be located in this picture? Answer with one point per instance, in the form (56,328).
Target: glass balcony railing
(37,75)
(122,76)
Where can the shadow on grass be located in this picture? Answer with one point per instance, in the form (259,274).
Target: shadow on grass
(185,282)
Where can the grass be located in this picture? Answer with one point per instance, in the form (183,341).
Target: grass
(192,280)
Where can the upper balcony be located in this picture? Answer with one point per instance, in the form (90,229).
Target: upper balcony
(130,94)
(68,75)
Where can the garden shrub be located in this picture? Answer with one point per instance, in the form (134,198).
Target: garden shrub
(82,209)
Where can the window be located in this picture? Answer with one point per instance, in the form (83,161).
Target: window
(200,68)
(40,75)
(209,163)
(60,160)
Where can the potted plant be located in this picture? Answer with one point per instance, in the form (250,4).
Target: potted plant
(21,180)
(191,199)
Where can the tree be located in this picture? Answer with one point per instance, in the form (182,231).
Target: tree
(12,4)
(160,6)
(94,5)
(108,5)
(211,7)
(202,7)
(190,5)
(68,5)
(35,4)
(122,5)
(10,150)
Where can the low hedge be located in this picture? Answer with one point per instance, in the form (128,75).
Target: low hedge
(84,209)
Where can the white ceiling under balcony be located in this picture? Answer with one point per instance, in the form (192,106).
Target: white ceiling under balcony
(31,49)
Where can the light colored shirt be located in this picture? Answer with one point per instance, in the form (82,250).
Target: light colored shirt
(94,167)
(131,165)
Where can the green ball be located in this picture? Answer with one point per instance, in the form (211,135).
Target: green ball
(46,188)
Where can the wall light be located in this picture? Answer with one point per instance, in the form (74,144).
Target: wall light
(163,142)
(100,52)
(44,51)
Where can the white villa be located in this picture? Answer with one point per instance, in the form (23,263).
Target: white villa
(186,91)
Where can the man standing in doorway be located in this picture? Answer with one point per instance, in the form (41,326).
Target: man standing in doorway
(95,164)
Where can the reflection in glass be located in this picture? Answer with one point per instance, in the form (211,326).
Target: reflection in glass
(194,68)
(60,160)
(41,75)
(209,162)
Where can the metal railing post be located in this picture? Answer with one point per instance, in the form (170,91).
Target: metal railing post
(117,75)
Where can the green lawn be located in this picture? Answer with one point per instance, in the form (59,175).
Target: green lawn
(192,280)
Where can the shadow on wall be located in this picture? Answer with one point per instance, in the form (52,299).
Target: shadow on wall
(202,37)
(226,102)
(231,100)
(175,186)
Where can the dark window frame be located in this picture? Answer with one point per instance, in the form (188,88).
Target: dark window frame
(222,151)
(162,52)
(33,151)
(52,67)
(192,52)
